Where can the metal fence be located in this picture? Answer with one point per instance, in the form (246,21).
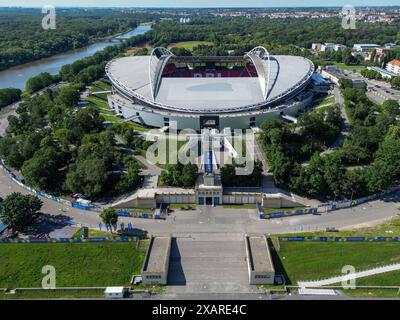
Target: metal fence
(339,239)
(73,204)
(69,240)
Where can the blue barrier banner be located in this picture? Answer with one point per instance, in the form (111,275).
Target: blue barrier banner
(296,238)
(261,216)
(299,212)
(355,239)
(324,239)
(97,239)
(276,215)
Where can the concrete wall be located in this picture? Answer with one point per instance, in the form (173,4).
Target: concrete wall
(256,277)
(241,198)
(156,278)
(278,200)
(139,203)
(176,198)
(153,118)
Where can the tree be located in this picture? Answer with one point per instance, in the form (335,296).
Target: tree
(36,83)
(109,216)
(392,107)
(68,96)
(395,82)
(8,96)
(88,177)
(20,211)
(42,171)
(189,175)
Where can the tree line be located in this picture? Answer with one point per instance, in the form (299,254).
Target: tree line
(368,161)
(24,40)
(63,149)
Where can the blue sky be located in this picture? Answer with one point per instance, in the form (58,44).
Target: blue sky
(195,3)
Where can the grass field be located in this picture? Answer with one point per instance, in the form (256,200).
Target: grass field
(110,117)
(53,294)
(388,229)
(96,234)
(319,260)
(98,102)
(349,68)
(76,264)
(179,206)
(189,45)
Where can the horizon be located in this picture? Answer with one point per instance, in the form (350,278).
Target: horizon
(195,4)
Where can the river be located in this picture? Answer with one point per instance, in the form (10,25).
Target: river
(16,77)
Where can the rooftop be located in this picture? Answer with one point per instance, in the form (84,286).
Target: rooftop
(114,290)
(395,62)
(208,94)
(259,254)
(158,255)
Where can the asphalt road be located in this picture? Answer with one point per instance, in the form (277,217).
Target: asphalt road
(230,221)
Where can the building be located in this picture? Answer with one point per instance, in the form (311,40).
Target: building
(394,67)
(365,47)
(114,292)
(209,189)
(316,46)
(327,47)
(259,262)
(156,263)
(320,84)
(377,56)
(333,74)
(208,92)
(384,73)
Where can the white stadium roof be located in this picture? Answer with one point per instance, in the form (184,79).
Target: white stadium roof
(133,76)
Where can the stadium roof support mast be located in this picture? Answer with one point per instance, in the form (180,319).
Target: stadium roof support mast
(257,56)
(158,58)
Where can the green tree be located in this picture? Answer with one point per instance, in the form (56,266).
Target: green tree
(9,96)
(109,216)
(42,171)
(68,96)
(189,175)
(20,211)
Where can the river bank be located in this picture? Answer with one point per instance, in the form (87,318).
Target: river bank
(16,77)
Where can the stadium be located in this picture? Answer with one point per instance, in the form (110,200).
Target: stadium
(236,92)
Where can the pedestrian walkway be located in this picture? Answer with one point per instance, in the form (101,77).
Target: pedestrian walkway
(347,277)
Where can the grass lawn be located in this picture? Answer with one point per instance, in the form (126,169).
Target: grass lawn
(98,102)
(189,45)
(349,68)
(137,127)
(174,153)
(388,229)
(103,84)
(110,117)
(373,293)
(319,260)
(179,206)
(53,294)
(76,264)
(239,206)
(96,234)
(327,100)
